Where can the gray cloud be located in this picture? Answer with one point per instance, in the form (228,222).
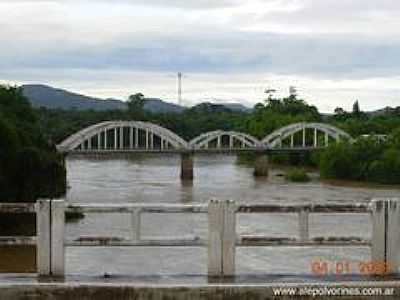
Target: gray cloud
(365,17)
(187,4)
(225,52)
(323,40)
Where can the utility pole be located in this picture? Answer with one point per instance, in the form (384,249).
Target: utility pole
(180,88)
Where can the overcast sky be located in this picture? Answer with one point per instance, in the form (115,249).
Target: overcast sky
(333,51)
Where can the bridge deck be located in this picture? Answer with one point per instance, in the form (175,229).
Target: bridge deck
(210,150)
(188,287)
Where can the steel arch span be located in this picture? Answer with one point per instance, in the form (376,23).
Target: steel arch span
(290,135)
(123,135)
(220,139)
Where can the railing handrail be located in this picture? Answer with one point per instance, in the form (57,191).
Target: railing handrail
(17,208)
(311,208)
(192,208)
(142,207)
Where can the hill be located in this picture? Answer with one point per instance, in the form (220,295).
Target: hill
(49,97)
(237,107)
(53,98)
(159,106)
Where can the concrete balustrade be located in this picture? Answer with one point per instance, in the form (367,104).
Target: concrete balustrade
(222,233)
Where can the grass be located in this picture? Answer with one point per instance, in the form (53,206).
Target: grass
(297,175)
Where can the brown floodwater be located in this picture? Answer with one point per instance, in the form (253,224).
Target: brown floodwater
(19,259)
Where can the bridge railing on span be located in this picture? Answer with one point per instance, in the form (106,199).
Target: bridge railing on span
(223,237)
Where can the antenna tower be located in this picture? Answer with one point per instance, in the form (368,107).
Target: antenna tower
(180,88)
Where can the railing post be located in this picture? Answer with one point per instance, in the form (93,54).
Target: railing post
(57,238)
(115,139)
(136,223)
(221,238)
(378,249)
(43,253)
(229,239)
(131,137)
(50,220)
(136,138)
(386,234)
(231,142)
(215,228)
(304,234)
(393,236)
(105,139)
(315,138)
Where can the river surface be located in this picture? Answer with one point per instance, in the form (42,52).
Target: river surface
(155,179)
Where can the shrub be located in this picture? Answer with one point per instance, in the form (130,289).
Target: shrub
(297,175)
(336,162)
(365,160)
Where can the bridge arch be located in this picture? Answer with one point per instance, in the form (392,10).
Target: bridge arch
(220,139)
(123,135)
(289,135)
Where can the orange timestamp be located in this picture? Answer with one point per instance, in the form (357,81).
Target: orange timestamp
(324,267)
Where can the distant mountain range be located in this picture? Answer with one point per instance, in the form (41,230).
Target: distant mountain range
(49,97)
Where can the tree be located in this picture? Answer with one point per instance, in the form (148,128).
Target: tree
(356,108)
(339,111)
(270,93)
(28,165)
(136,102)
(136,106)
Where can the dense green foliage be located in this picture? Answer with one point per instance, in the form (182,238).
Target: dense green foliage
(359,123)
(58,124)
(367,159)
(276,113)
(29,166)
(297,175)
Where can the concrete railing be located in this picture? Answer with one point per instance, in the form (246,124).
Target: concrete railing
(222,232)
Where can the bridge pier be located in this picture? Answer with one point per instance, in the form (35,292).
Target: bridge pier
(261,165)
(187,166)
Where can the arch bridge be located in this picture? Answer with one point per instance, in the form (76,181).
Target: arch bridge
(136,136)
